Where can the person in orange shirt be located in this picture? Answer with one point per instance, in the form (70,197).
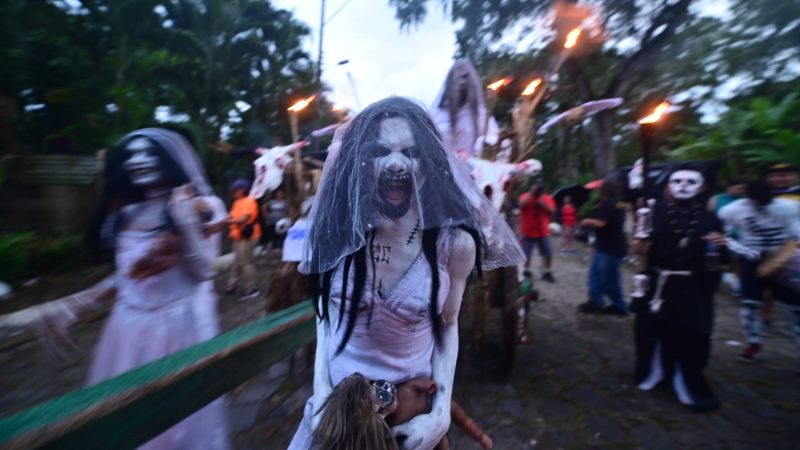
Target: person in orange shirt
(245,233)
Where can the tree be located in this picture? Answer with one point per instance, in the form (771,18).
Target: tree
(675,49)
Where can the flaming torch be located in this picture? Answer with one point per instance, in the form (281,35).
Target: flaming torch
(572,38)
(294,110)
(491,100)
(647,127)
(531,87)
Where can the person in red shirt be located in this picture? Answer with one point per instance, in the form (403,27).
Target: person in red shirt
(536,209)
(568,219)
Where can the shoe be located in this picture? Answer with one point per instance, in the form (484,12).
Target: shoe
(614,311)
(590,307)
(750,354)
(250,295)
(230,289)
(548,277)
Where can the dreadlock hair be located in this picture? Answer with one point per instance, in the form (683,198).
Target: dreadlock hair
(349,420)
(341,217)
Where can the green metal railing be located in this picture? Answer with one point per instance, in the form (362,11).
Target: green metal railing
(128,410)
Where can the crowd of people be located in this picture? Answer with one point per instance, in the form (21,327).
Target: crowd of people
(388,243)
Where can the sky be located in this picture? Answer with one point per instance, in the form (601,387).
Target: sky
(383,61)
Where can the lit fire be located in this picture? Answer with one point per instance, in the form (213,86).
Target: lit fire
(531,87)
(337,107)
(655,116)
(499,83)
(572,38)
(302,104)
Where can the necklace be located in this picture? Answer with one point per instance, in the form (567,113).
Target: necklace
(684,222)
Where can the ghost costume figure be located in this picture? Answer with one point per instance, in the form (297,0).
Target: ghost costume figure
(460,111)
(153,219)
(674,319)
(396,227)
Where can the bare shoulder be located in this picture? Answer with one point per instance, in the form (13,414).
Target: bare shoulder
(462,253)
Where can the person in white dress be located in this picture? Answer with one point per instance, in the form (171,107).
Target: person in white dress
(160,220)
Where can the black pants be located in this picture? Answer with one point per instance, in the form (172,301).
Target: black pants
(680,346)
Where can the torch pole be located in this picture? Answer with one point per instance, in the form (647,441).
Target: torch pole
(293,124)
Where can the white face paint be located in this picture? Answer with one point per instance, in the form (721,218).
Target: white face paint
(395,167)
(685,184)
(143,164)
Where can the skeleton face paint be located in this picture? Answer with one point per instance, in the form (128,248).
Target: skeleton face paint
(396,169)
(143,164)
(685,184)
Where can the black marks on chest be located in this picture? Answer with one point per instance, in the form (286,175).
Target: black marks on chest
(413,235)
(380,289)
(380,253)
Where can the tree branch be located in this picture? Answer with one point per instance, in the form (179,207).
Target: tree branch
(670,17)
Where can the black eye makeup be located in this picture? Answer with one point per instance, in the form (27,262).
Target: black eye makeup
(379,151)
(411,152)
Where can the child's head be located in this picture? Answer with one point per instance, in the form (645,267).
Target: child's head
(352,417)
(567,200)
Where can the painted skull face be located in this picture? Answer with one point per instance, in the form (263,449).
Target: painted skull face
(395,167)
(143,163)
(685,184)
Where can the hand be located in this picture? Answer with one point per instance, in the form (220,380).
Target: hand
(52,332)
(423,432)
(716,238)
(640,247)
(162,255)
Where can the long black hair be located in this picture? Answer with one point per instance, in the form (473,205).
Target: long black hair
(120,192)
(341,216)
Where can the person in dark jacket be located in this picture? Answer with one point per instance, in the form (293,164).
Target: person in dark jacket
(674,319)
(608,221)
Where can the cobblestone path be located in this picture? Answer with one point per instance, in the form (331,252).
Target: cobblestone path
(571,388)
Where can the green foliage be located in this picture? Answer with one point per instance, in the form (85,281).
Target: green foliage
(26,254)
(749,136)
(82,73)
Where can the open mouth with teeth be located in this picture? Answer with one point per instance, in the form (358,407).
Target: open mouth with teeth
(395,189)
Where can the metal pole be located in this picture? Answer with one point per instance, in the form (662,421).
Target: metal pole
(321,34)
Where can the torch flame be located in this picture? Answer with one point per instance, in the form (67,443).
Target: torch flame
(337,107)
(302,104)
(499,83)
(572,38)
(655,116)
(531,87)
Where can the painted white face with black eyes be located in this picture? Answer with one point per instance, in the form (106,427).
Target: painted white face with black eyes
(395,166)
(685,184)
(143,164)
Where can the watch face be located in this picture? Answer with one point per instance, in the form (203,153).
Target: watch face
(384,394)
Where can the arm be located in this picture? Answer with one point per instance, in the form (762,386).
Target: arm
(198,252)
(547,204)
(322,379)
(425,431)
(56,317)
(525,199)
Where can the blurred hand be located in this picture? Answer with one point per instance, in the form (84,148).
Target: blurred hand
(716,238)
(52,332)
(640,247)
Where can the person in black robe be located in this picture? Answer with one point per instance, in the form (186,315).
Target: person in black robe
(675,317)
